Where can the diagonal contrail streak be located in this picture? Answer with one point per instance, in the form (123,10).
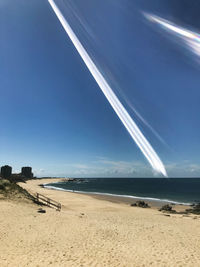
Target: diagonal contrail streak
(127,121)
(191,38)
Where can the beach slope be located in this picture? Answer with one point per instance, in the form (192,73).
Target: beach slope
(94,232)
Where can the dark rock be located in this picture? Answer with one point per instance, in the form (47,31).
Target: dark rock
(140,204)
(133,205)
(166,208)
(195,209)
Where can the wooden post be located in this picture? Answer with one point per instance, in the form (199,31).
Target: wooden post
(47,201)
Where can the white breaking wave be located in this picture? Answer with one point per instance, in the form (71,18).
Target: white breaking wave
(116,195)
(190,38)
(127,121)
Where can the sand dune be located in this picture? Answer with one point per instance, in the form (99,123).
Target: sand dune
(93,232)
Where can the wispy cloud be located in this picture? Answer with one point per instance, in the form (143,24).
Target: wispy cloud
(39,172)
(108,167)
(81,166)
(104,167)
(184,169)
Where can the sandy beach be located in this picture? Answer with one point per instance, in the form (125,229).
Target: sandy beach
(94,232)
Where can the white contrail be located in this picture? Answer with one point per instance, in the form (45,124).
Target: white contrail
(191,38)
(130,125)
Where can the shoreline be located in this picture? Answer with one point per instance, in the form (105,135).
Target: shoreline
(123,198)
(41,183)
(153,203)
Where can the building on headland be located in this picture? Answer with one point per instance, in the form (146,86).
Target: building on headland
(27,172)
(6,171)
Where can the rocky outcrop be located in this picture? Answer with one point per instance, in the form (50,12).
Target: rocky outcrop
(140,204)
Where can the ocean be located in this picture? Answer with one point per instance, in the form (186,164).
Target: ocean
(175,190)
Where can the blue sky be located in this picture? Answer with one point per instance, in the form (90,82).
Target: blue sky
(55,118)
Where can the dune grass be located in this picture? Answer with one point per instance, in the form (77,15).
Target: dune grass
(12,190)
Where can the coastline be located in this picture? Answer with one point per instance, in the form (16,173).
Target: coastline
(154,203)
(40,186)
(94,232)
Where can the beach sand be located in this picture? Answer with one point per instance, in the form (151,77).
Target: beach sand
(94,232)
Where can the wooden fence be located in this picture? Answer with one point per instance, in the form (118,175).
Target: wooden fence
(48,201)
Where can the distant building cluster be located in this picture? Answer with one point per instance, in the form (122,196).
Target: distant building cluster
(6,172)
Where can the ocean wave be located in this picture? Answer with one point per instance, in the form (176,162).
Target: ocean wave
(117,195)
